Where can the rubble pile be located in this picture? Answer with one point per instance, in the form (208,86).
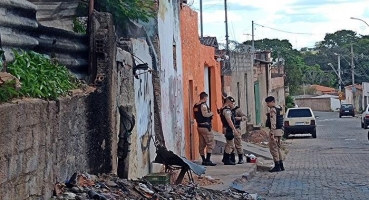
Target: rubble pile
(203,180)
(259,137)
(82,186)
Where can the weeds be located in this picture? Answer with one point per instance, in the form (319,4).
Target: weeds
(40,78)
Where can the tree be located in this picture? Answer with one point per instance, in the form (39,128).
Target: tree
(339,39)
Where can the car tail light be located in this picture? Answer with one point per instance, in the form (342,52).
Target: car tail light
(366,116)
(312,122)
(286,123)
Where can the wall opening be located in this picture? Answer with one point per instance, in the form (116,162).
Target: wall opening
(191,118)
(238,94)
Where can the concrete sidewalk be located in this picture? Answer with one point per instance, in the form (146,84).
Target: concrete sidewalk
(248,148)
(228,174)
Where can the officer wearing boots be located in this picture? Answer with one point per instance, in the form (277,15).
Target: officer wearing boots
(239,117)
(275,124)
(203,117)
(229,130)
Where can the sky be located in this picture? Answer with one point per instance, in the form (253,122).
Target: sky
(313,18)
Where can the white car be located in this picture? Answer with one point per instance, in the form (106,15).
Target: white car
(365,118)
(298,121)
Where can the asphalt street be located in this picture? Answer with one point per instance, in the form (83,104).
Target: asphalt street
(335,165)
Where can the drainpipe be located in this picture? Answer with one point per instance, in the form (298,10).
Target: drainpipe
(91,6)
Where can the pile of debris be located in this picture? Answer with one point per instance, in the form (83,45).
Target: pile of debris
(109,187)
(259,137)
(203,180)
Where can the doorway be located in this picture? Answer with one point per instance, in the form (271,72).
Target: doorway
(257,103)
(191,119)
(207,85)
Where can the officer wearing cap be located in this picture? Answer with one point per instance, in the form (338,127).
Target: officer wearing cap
(239,117)
(203,117)
(275,124)
(229,130)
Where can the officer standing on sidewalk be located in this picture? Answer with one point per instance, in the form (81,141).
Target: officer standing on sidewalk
(239,117)
(203,117)
(229,130)
(275,124)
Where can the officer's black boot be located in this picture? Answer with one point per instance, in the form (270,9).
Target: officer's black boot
(227,160)
(224,155)
(203,159)
(240,158)
(276,167)
(233,157)
(281,165)
(208,161)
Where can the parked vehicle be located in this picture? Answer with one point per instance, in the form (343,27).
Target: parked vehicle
(299,121)
(347,110)
(365,118)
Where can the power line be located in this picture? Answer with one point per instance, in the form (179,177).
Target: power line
(283,30)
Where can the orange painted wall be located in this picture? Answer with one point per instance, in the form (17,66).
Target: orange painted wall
(195,57)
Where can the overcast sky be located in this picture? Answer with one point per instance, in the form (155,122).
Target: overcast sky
(315,17)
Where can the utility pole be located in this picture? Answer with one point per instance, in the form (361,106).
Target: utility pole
(252,39)
(353,89)
(279,64)
(339,73)
(226,24)
(201,22)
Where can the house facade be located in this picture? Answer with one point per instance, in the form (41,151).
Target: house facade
(355,97)
(201,72)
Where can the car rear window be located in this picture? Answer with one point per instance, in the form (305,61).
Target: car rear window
(294,113)
(345,106)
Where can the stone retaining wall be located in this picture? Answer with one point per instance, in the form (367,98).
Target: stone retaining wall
(44,142)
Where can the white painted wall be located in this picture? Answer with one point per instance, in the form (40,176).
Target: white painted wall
(171,77)
(365,94)
(142,146)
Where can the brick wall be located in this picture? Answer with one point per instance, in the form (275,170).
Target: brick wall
(316,104)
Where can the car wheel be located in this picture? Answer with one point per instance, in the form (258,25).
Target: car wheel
(340,116)
(365,125)
(285,135)
(353,115)
(362,125)
(313,134)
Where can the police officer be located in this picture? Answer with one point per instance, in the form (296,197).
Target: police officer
(203,117)
(229,130)
(239,117)
(275,124)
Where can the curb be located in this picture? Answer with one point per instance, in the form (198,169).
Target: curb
(239,183)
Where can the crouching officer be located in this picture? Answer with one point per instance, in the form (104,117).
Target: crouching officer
(203,117)
(239,117)
(275,124)
(229,130)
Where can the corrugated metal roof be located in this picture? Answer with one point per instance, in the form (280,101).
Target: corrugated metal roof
(210,41)
(19,29)
(56,13)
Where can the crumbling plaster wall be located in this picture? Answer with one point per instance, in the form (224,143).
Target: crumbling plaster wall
(142,148)
(171,75)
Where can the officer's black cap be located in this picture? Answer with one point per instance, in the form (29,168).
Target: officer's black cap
(203,95)
(231,99)
(269,99)
(224,94)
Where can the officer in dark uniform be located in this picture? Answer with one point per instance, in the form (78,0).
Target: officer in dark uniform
(275,124)
(203,117)
(229,130)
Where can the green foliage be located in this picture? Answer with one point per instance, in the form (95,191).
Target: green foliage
(8,91)
(79,27)
(128,9)
(40,78)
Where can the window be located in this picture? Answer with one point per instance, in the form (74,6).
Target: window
(295,113)
(346,106)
